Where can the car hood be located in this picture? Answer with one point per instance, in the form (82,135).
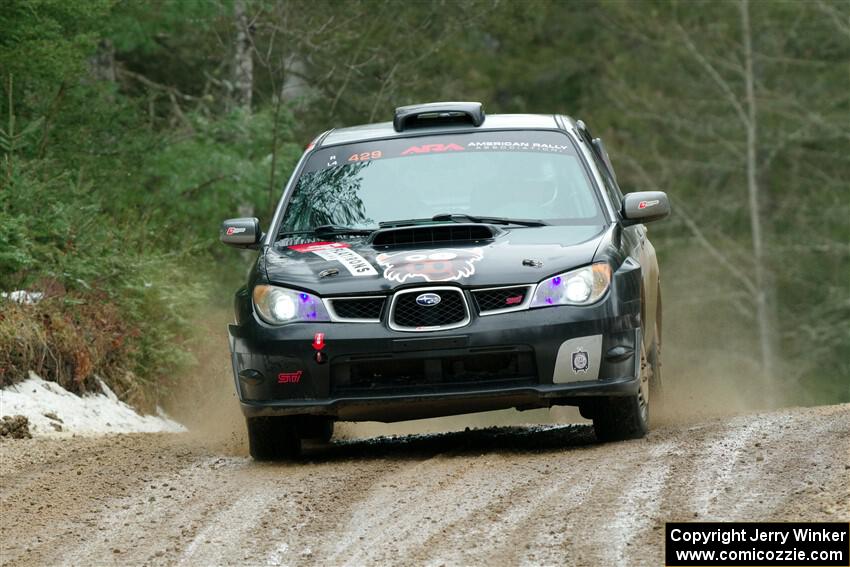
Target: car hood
(515,256)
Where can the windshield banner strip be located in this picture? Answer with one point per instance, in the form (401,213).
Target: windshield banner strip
(359,152)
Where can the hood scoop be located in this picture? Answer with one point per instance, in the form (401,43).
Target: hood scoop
(454,233)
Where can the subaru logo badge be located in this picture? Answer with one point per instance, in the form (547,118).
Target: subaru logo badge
(428,299)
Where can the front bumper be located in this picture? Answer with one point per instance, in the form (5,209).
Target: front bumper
(521,359)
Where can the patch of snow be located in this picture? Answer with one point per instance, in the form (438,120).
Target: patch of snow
(90,414)
(23,297)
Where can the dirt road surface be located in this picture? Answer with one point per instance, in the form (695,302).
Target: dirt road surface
(510,495)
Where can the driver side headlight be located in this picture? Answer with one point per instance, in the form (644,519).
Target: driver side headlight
(278,306)
(577,287)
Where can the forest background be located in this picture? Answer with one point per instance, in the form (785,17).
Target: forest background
(129,129)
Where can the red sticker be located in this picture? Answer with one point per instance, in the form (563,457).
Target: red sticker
(645,204)
(314,246)
(290,377)
(515,300)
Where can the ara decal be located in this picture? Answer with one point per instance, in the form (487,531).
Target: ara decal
(432,149)
(235,230)
(443,265)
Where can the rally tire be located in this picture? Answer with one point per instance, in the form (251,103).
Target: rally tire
(617,418)
(272,438)
(327,431)
(315,428)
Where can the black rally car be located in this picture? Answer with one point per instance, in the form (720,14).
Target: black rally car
(446,263)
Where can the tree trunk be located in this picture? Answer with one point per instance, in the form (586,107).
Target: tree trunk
(294,86)
(102,63)
(753,189)
(243,63)
(243,82)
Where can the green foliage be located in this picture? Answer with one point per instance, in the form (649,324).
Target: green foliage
(149,28)
(104,204)
(194,183)
(56,238)
(45,42)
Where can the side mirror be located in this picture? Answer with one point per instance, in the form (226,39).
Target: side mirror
(241,233)
(645,206)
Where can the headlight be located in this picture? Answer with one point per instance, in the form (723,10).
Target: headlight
(277,306)
(578,287)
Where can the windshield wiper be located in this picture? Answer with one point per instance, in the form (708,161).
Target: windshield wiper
(443,217)
(331,230)
(404,222)
(488,220)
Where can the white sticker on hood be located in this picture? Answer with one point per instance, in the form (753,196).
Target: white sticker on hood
(356,264)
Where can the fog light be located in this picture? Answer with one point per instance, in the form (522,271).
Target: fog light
(251,376)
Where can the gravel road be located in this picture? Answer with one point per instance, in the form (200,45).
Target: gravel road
(497,496)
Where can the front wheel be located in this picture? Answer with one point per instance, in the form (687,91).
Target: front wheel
(273,438)
(626,417)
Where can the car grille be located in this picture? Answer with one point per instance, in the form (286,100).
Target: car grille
(359,308)
(436,372)
(500,299)
(409,315)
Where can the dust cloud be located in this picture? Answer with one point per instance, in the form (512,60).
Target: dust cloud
(710,356)
(205,400)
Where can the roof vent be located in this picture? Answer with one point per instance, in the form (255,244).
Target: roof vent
(436,234)
(438,114)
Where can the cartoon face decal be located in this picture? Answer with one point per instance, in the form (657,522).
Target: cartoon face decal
(443,265)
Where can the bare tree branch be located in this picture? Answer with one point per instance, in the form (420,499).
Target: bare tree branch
(714,74)
(697,232)
(835,16)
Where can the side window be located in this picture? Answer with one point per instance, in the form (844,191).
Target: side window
(610,185)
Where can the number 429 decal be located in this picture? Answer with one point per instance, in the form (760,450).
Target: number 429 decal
(364,156)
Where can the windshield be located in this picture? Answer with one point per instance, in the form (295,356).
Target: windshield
(516,174)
